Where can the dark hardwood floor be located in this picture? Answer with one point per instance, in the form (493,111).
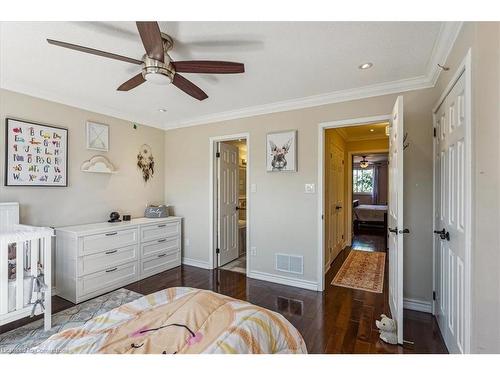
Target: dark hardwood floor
(339,320)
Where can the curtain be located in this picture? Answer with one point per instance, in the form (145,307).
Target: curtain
(375,184)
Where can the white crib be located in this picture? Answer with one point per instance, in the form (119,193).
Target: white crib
(24,252)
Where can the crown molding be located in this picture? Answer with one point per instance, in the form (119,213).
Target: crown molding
(387,88)
(366,138)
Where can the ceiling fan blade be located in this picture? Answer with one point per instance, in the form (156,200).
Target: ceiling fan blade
(93,51)
(132,83)
(188,87)
(211,67)
(151,39)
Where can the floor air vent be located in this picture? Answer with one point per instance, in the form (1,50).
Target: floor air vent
(290,263)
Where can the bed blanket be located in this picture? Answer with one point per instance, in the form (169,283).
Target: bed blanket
(181,320)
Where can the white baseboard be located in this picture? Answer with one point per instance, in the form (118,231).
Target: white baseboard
(278,279)
(417,305)
(196,263)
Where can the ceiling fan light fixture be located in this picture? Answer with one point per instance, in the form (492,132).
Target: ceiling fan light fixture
(157,78)
(364,163)
(365,66)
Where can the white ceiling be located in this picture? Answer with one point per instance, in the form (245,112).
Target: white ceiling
(284,62)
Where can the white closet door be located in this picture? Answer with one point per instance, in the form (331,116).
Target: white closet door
(450,206)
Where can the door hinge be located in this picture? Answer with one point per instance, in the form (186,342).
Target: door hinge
(433,295)
(434,132)
(322,217)
(217,154)
(217,251)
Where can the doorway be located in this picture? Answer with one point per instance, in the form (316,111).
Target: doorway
(393,144)
(229,203)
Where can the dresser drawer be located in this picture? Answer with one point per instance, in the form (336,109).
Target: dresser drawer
(160,262)
(108,279)
(160,230)
(108,259)
(158,246)
(109,241)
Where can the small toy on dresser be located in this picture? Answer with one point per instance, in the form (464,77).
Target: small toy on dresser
(388,330)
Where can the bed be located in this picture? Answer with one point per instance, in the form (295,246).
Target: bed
(370,216)
(181,320)
(370,213)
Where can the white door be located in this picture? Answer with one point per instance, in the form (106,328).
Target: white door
(395,216)
(227,198)
(450,224)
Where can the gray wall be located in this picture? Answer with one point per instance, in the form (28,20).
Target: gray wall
(283,218)
(89,197)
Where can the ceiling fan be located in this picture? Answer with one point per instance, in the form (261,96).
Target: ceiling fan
(157,65)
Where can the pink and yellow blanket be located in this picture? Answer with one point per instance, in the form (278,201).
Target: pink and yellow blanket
(181,320)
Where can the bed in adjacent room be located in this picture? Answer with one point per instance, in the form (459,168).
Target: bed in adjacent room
(181,320)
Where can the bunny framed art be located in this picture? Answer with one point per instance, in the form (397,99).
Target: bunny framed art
(281,150)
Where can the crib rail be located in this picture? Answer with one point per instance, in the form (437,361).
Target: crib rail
(32,253)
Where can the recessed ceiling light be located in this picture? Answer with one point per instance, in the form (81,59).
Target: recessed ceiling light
(162,110)
(372,130)
(364,66)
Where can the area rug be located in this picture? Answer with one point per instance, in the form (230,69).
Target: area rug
(363,270)
(21,339)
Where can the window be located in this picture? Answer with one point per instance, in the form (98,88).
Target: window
(362,181)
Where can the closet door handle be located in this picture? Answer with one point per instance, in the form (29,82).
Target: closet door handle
(112,269)
(162,255)
(111,252)
(162,240)
(395,230)
(111,234)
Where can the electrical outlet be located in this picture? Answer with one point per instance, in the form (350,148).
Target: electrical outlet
(253,250)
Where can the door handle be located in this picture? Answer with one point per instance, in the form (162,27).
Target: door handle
(404,231)
(395,230)
(443,234)
(338,207)
(237,208)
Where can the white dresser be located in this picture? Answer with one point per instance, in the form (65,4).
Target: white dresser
(93,259)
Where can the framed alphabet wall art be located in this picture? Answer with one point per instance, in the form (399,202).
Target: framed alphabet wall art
(35,154)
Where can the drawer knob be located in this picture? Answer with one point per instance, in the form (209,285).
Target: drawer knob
(112,269)
(162,225)
(162,240)
(161,255)
(111,252)
(111,234)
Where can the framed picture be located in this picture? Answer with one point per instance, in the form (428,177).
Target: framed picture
(97,136)
(35,154)
(281,149)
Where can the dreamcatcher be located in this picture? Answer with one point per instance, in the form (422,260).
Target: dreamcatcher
(145,162)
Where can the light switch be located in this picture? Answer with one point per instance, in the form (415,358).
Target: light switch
(253,188)
(309,188)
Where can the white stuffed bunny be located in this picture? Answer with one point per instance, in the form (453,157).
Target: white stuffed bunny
(387,329)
